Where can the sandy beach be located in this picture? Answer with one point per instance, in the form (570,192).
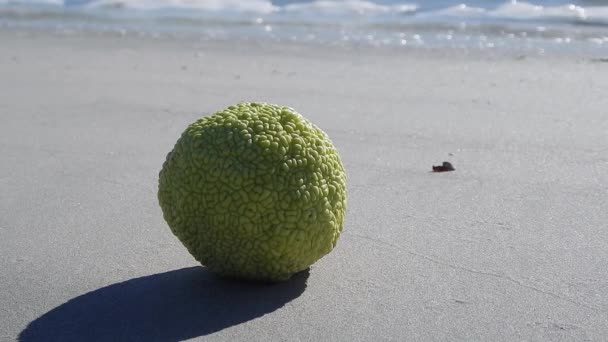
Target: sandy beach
(512,246)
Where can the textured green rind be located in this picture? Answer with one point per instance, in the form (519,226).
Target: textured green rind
(255,191)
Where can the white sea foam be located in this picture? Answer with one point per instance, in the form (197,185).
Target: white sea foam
(461,10)
(487,24)
(254,6)
(517,10)
(318,7)
(333,7)
(33,2)
(525,10)
(509,10)
(570,12)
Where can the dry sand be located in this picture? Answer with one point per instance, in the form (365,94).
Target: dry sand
(511,246)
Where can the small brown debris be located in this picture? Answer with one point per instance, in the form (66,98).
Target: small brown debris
(446,166)
(600,60)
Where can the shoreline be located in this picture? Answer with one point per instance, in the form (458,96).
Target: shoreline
(588,51)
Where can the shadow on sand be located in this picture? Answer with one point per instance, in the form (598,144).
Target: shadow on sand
(171,306)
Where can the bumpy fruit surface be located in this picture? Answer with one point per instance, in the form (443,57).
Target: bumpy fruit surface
(255,191)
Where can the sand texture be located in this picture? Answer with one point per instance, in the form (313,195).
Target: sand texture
(511,246)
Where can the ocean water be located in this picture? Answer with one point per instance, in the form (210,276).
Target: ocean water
(542,26)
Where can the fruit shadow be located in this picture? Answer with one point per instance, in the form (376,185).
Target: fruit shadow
(171,306)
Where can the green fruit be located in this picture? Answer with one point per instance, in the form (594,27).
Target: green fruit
(254,191)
